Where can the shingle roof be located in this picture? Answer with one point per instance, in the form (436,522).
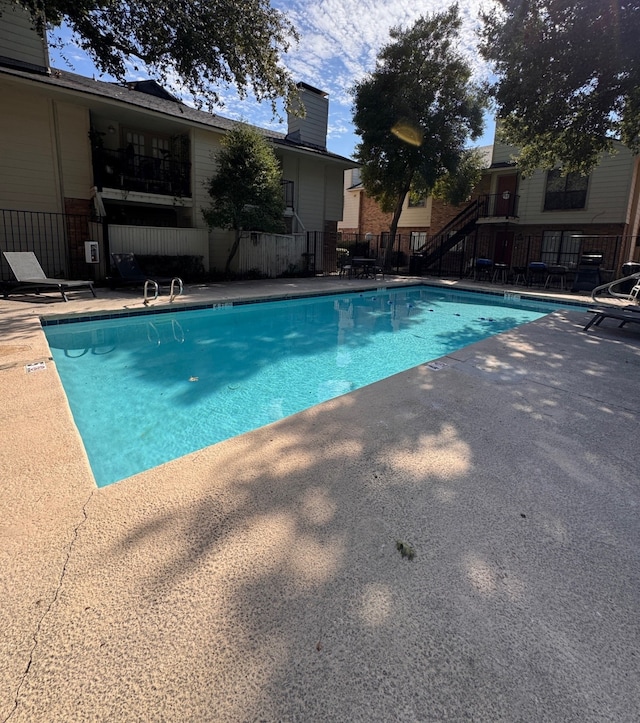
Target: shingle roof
(127,93)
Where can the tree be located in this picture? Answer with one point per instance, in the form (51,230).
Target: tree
(246,190)
(204,43)
(568,78)
(415,114)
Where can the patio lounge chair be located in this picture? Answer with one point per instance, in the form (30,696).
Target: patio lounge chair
(624,314)
(31,278)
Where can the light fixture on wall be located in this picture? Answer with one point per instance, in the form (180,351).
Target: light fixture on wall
(506,195)
(111,129)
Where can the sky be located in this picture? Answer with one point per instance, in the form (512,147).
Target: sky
(339,41)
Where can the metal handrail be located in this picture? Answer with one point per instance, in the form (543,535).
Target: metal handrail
(630,296)
(146,289)
(172,293)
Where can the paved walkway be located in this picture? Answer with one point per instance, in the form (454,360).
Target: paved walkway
(259,579)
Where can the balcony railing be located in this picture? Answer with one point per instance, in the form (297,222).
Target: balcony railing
(499,205)
(133,172)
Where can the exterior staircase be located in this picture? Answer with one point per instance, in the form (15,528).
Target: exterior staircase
(459,227)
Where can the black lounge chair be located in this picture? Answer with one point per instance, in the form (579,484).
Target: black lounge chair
(129,273)
(623,314)
(32,279)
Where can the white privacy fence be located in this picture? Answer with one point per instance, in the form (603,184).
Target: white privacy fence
(160,241)
(274,254)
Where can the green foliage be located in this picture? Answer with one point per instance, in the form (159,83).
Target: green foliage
(246,189)
(568,73)
(456,188)
(416,112)
(205,43)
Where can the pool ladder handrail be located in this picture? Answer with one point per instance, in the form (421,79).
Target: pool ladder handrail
(632,295)
(176,331)
(156,289)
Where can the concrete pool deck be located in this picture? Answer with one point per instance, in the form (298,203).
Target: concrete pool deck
(259,579)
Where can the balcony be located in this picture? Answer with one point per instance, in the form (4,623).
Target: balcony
(127,171)
(498,206)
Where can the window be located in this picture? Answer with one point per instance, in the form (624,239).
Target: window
(561,248)
(565,192)
(418,240)
(139,144)
(416,200)
(159,147)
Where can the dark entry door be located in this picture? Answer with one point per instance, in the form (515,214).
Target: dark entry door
(506,196)
(503,248)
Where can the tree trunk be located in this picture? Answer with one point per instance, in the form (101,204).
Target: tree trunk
(234,250)
(394,226)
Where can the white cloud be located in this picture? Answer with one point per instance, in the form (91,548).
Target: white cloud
(340,39)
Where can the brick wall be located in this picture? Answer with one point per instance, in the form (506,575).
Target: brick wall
(372,218)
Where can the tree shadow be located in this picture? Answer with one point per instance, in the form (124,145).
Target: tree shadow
(266,580)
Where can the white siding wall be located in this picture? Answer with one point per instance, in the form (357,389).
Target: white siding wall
(204,146)
(18,39)
(29,178)
(311,194)
(607,195)
(351,203)
(503,153)
(333,193)
(72,122)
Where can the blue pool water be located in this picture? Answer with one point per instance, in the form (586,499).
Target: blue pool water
(147,389)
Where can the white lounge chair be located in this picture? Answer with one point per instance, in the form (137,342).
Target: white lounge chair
(31,278)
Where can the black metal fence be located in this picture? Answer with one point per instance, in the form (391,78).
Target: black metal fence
(57,239)
(459,261)
(395,256)
(524,250)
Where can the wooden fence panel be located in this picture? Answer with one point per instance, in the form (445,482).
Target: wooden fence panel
(271,254)
(160,241)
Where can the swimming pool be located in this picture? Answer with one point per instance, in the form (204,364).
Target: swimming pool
(149,388)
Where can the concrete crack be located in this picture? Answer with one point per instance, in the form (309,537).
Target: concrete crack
(36,634)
